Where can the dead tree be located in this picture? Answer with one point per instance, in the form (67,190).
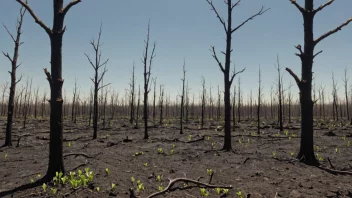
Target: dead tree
(289,102)
(278,68)
(91,98)
(239,101)
(307,55)
(74,100)
(271,102)
(203,102)
(260,89)
(97,80)
(43,104)
(36,103)
(138,102)
(345,81)
(219,105)
(154,98)
(146,74)
(234,108)
(182,97)
(132,95)
(161,104)
(335,112)
(56,163)
(3,108)
(14,81)
(226,68)
(187,104)
(26,104)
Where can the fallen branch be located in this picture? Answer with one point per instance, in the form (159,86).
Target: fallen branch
(76,154)
(174,181)
(335,172)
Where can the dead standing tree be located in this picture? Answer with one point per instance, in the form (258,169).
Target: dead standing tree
(280,91)
(146,74)
(14,81)
(307,55)
(133,95)
(56,163)
(74,101)
(226,68)
(97,78)
(260,89)
(345,81)
(182,97)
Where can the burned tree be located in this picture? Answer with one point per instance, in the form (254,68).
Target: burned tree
(56,163)
(97,78)
(182,97)
(14,81)
(161,104)
(279,84)
(335,112)
(203,102)
(260,89)
(154,98)
(307,55)
(132,93)
(146,74)
(345,81)
(74,100)
(226,68)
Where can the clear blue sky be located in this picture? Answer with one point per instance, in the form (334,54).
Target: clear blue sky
(182,29)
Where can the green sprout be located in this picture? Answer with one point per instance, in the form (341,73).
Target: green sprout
(53,190)
(69,144)
(107,170)
(189,138)
(239,194)
(208,138)
(140,187)
(210,171)
(286,132)
(292,154)
(226,191)
(98,189)
(32,180)
(113,186)
(38,175)
(343,138)
(274,154)
(6,156)
(160,150)
(173,146)
(213,145)
(204,192)
(133,179)
(145,164)
(160,188)
(44,186)
(349,143)
(159,178)
(218,190)
(336,150)
(172,151)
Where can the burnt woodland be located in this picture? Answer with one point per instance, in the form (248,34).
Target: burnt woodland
(220,140)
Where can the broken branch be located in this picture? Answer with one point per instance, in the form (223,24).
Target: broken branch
(332,31)
(298,81)
(217,60)
(323,6)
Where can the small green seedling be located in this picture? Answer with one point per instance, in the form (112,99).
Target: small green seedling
(204,192)
(140,187)
(213,145)
(160,150)
(274,154)
(145,164)
(189,138)
(286,132)
(226,191)
(210,171)
(38,176)
(218,191)
(53,190)
(133,179)
(173,146)
(349,143)
(6,156)
(208,138)
(44,186)
(343,138)
(160,188)
(107,170)
(113,186)
(336,150)
(98,189)
(292,154)
(159,178)
(69,144)
(32,180)
(239,194)
(172,151)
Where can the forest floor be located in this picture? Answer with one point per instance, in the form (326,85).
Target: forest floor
(261,165)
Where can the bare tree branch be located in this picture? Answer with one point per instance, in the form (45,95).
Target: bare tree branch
(7,55)
(332,31)
(300,8)
(104,86)
(48,76)
(36,19)
(217,60)
(317,53)
(298,81)
(217,14)
(19,79)
(261,11)
(13,38)
(90,61)
(236,4)
(68,6)
(323,6)
(235,74)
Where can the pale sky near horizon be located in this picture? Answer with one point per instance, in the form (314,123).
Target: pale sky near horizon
(182,29)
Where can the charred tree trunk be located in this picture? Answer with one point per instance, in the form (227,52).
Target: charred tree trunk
(280,94)
(345,80)
(161,104)
(306,152)
(182,97)
(259,100)
(203,103)
(146,74)
(74,101)
(138,102)
(234,109)
(132,92)
(14,81)
(97,80)
(154,98)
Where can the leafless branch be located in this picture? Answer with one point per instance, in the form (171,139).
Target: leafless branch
(261,11)
(36,19)
(13,38)
(332,31)
(19,79)
(217,60)
(68,6)
(90,61)
(300,8)
(48,75)
(234,5)
(323,6)
(222,21)
(7,55)
(317,53)
(104,86)
(235,74)
(298,81)
(173,181)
